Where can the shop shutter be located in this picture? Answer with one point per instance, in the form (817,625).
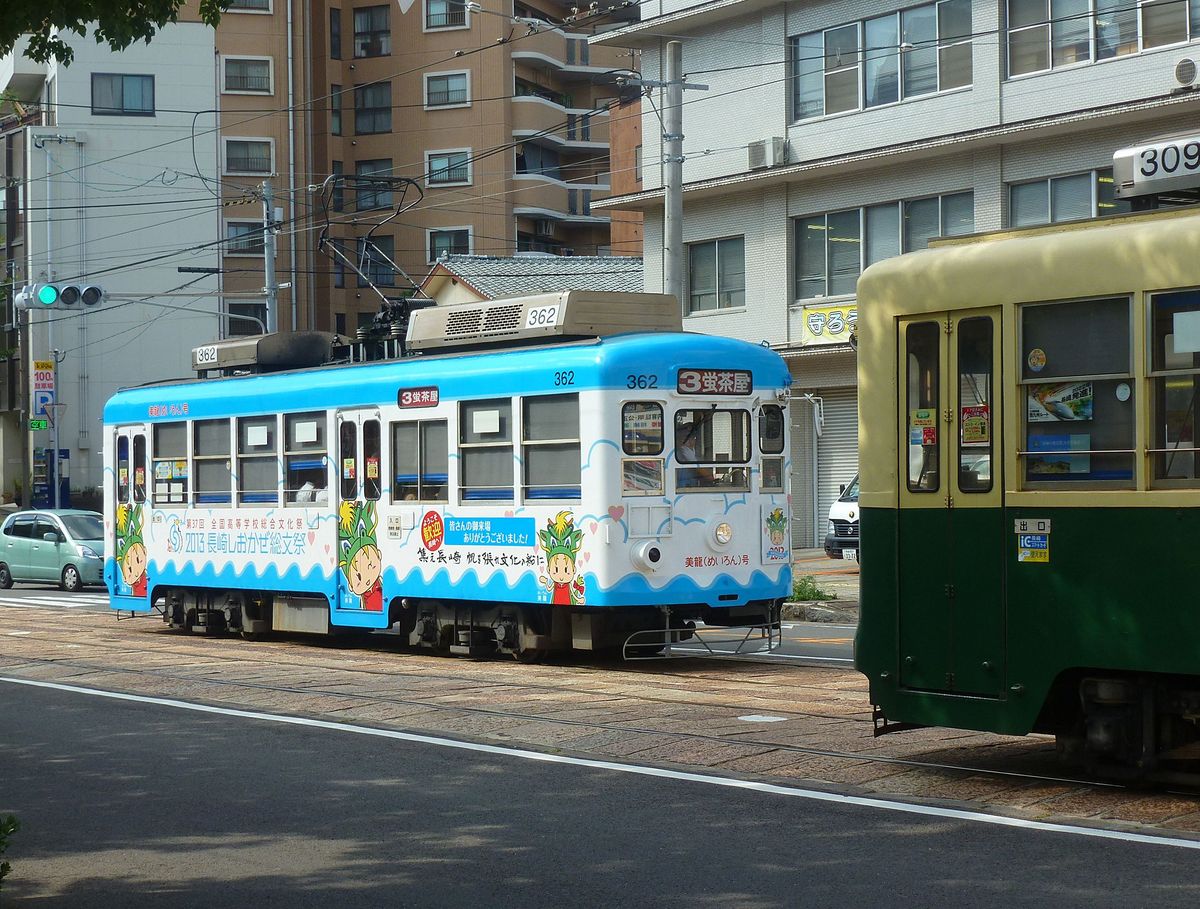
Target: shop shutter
(837,451)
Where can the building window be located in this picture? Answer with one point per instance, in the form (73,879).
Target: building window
(337,194)
(375,260)
(448,168)
(527,89)
(248,75)
(373,109)
(335,110)
(1068,198)
(254,6)
(335,34)
(452,242)
(339,264)
(882,60)
(248,156)
(637,164)
(445,13)
(833,249)
(716,274)
(244,238)
(1078,394)
(537,159)
(372,35)
(118,94)
(446,90)
(1047,34)
(373,193)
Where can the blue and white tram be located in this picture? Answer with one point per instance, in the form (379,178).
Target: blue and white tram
(522,500)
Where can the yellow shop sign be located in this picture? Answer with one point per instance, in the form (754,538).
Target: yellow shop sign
(829,324)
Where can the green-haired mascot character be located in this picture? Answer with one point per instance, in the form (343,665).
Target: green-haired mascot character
(777,549)
(359,556)
(131,549)
(561,542)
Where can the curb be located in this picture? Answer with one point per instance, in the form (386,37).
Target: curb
(821,611)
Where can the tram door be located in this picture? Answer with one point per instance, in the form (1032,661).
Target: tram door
(127,575)
(950,534)
(358,489)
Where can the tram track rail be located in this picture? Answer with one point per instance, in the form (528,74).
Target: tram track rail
(259,662)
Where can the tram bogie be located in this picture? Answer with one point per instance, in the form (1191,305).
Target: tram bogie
(1031,488)
(518,500)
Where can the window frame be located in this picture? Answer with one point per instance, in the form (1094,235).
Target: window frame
(798,53)
(1098,176)
(430,233)
(375,195)
(382,35)
(335,33)
(227,169)
(717,291)
(268,10)
(430,154)
(123,111)
(249,58)
(422,484)
(466,450)
(445,74)
(303,456)
(157,457)
(257,497)
(530,447)
(232,245)
(449,26)
(206,497)
(372,115)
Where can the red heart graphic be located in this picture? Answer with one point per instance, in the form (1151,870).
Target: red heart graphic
(312,536)
(592,527)
(616,511)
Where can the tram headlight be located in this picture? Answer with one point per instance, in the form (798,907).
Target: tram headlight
(647,556)
(722,534)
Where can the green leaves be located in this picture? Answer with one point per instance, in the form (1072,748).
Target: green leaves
(8,827)
(118,23)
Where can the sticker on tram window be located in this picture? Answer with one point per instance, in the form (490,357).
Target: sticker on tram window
(347,468)
(715,382)
(976,424)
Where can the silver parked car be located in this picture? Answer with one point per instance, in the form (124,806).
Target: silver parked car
(64,546)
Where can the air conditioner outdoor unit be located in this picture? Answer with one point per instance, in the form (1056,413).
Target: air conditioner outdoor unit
(1186,72)
(544,227)
(767,152)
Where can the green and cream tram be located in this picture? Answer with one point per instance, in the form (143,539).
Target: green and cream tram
(1031,486)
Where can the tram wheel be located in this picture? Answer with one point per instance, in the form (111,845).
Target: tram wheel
(531,655)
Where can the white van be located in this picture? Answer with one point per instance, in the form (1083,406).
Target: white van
(841,542)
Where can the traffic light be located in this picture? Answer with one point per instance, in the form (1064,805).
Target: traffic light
(38,296)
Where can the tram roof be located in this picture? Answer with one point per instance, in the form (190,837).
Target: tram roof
(597,363)
(1117,254)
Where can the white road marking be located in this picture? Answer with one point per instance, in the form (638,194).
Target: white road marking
(761,718)
(638,769)
(17,634)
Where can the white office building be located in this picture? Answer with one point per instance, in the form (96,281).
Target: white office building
(100,164)
(833,134)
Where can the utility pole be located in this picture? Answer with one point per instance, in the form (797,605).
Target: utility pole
(673,171)
(270,288)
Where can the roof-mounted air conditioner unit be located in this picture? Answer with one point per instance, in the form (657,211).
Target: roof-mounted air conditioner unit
(1186,72)
(767,153)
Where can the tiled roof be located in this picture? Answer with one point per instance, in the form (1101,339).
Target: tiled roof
(511,276)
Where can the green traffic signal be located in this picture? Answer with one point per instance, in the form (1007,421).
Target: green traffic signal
(47,294)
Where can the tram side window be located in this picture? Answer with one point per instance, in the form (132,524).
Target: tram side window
(348,460)
(210,453)
(1175,385)
(122,469)
(550,447)
(170,464)
(922,341)
(258,466)
(306,478)
(1077,393)
(642,435)
(420,461)
(770,442)
(139,468)
(975,402)
(372,460)
(486,450)
(710,446)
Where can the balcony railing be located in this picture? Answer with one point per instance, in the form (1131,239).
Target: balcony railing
(447,96)
(446,19)
(249,164)
(247,82)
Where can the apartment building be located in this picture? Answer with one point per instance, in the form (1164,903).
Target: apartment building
(833,135)
(263,135)
(498,116)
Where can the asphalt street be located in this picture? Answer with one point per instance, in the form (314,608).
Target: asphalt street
(132,804)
